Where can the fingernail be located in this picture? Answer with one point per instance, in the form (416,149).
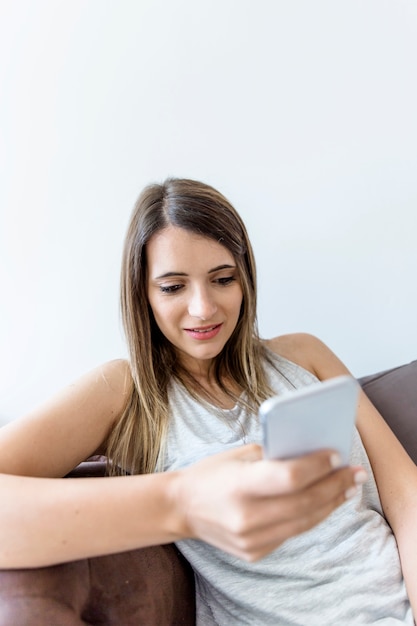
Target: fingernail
(335,460)
(349,493)
(360,477)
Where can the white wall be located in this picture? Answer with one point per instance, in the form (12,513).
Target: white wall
(303,113)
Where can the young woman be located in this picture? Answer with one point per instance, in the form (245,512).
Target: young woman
(271,542)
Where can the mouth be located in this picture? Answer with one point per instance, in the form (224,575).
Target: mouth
(205,329)
(203,332)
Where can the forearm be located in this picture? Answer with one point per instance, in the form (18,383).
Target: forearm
(47,521)
(406,537)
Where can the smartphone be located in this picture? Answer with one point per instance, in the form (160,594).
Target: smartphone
(321,415)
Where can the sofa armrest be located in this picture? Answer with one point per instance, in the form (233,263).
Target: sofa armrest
(147,586)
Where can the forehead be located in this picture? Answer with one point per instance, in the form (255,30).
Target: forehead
(177,249)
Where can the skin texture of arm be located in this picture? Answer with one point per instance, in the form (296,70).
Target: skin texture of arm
(234,500)
(395,473)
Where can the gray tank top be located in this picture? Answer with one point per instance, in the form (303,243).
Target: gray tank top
(345,571)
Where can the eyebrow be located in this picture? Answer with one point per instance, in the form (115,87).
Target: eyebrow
(215,269)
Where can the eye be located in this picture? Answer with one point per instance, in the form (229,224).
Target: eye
(170,288)
(225,280)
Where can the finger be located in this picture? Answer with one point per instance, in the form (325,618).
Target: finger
(269,477)
(299,505)
(259,545)
(337,485)
(263,540)
(278,519)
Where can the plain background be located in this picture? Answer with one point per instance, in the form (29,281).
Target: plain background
(302,113)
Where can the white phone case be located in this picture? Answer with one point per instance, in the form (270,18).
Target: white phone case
(321,415)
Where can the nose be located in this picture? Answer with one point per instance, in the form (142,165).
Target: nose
(202,304)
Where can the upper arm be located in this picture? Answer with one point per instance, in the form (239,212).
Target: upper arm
(73,425)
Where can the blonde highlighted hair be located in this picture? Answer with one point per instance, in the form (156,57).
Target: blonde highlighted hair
(135,442)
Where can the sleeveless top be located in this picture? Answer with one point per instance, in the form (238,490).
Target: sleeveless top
(345,571)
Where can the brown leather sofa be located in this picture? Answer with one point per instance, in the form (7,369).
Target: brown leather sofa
(155,586)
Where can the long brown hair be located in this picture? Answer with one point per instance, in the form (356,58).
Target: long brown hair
(135,442)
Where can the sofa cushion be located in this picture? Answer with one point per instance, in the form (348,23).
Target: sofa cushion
(152,585)
(394,393)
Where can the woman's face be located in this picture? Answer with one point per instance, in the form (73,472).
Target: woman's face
(194,292)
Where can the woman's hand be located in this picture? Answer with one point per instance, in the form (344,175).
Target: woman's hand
(248,506)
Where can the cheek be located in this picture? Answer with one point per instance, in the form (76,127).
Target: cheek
(164,311)
(238,301)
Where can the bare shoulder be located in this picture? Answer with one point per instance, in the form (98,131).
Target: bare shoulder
(112,377)
(102,392)
(300,348)
(70,426)
(106,386)
(309,352)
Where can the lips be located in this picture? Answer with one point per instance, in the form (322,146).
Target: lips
(203,332)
